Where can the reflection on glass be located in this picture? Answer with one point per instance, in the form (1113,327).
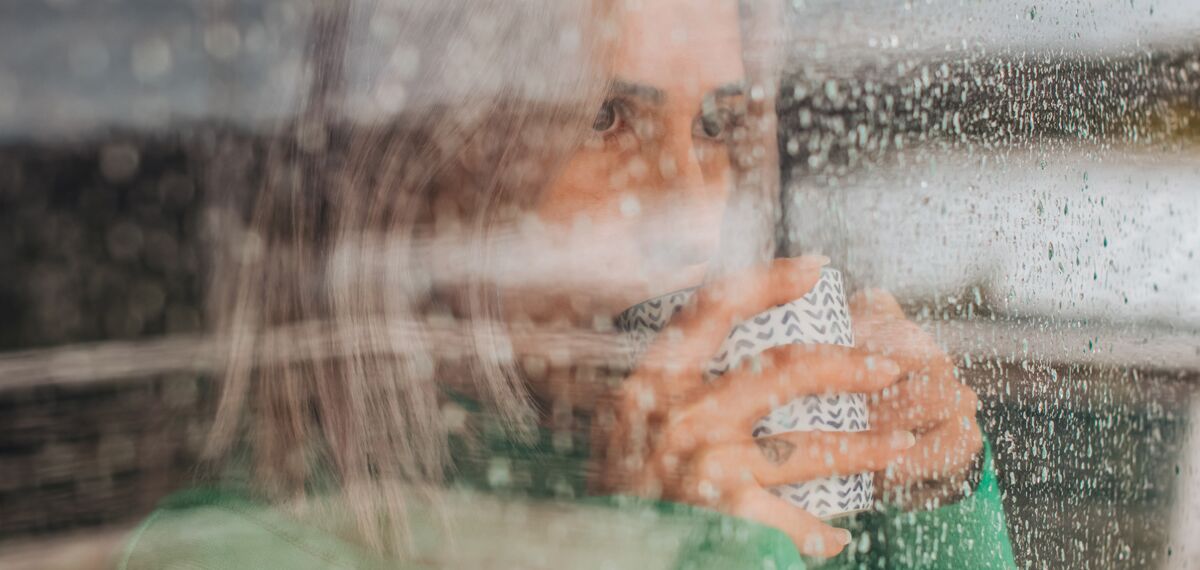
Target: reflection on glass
(364,275)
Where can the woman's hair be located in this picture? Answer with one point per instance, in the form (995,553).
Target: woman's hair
(425,118)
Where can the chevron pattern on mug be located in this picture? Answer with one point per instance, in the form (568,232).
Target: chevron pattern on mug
(820,317)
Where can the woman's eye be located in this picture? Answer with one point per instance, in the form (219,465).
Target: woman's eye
(608,119)
(712,125)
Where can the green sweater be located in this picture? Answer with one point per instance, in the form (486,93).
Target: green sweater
(522,506)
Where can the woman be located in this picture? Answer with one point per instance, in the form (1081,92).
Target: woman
(548,164)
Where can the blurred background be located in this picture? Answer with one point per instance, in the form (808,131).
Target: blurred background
(1024,176)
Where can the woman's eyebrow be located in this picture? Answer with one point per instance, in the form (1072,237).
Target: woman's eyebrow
(657,96)
(729,90)
(649,93)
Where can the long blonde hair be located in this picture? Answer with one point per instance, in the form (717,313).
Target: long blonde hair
(447,115)
(494,95)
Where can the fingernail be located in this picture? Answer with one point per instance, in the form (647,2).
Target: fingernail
(903,440)
(889,366)
(843,536)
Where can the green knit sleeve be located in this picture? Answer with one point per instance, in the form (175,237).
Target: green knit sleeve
(970,533)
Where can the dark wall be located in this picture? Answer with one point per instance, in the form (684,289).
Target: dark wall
(100,239)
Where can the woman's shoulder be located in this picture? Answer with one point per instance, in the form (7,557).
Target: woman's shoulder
(217,528)
(212,527)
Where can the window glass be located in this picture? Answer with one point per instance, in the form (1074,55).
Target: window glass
(460,281)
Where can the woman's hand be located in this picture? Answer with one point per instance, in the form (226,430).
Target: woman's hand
(667,433)
(929,400)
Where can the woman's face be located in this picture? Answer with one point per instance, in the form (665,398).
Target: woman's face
(642,200)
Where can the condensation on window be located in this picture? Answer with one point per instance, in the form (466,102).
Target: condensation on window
(347,253)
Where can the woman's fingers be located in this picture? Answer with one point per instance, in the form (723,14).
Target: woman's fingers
(922,400)
(873,303)
(938,468)
(792,457)
(812,537)
(943,451)
(726,409)
(803,456)
(931,392)
(942,467)
(881,327)
(672,364)
(689,341)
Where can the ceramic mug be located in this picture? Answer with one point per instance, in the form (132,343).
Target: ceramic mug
(820,317)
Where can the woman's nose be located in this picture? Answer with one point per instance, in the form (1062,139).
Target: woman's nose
(681,224)
(680,162)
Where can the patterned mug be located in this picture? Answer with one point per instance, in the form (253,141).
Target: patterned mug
(820,317)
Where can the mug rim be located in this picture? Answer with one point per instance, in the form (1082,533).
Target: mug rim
(692,289)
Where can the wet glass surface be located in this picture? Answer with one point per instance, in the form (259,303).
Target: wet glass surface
(1023,178)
